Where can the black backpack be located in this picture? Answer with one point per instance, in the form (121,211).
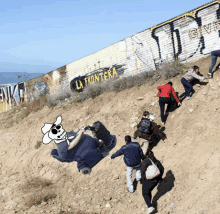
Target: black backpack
(145,126)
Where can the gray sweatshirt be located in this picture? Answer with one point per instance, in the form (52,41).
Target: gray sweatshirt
(191,74)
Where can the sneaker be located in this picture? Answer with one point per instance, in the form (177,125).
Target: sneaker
(130,191)
(188,98)
(150,210)
(163,123)
(210,75)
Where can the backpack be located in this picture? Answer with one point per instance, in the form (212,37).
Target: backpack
(152,171)
(145,126)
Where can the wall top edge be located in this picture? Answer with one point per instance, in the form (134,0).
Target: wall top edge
(190,13)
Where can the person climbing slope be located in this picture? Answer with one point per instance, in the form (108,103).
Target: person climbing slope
(166,95)
(215,53)
(132,157)
(151,174)
(145,130)
(187,79)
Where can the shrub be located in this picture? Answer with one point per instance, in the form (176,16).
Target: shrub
(33,106)
(170,69)
(59,95)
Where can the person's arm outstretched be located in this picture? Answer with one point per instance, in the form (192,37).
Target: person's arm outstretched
(77,139)
(118,153)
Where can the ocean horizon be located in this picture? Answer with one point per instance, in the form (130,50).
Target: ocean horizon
(15,77)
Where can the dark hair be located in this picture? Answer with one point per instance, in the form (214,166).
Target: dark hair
(146,113)
(170,83)
(195,67)
(128,138)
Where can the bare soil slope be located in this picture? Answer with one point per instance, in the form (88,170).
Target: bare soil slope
(190,155)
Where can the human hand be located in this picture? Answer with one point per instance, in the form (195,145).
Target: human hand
(83,129)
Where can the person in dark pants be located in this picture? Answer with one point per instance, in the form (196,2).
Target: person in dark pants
(149,185)
(147,136)
(187,79)
(215,53)
(164,98)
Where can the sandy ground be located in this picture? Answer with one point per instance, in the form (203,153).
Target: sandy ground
(190,156)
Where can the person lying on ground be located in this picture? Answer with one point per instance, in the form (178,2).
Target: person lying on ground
(72,146)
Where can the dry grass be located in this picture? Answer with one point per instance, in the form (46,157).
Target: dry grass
(37,190)
(167,71)
(58,96)
(33,106)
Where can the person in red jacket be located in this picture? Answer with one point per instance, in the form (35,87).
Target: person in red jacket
(164,98)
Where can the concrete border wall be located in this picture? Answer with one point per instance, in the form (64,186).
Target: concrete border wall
(187,37)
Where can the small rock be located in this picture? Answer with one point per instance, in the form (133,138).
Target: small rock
(133,125)
(140,98)
(191,110)
(3,193)
(172,204)
(152,104)
(107,205)
(115,177)
(204,93)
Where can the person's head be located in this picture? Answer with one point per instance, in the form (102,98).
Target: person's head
(170,83)
(196,68)
(146,114)
(127,138)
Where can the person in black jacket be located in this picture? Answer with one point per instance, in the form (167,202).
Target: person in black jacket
(132,157)
(149,185)
(147,136)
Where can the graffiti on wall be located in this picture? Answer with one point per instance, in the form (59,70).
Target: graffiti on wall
(8,95)
(205,29)
(187,36)
(99,75)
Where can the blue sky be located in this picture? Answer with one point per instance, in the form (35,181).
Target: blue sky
(40,36)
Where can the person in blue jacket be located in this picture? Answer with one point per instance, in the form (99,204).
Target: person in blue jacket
(132,157)
(72,146)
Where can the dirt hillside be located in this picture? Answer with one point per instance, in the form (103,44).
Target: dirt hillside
(190,155)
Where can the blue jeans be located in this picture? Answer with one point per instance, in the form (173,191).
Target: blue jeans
(188,87)
(129,176)
(214,55)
